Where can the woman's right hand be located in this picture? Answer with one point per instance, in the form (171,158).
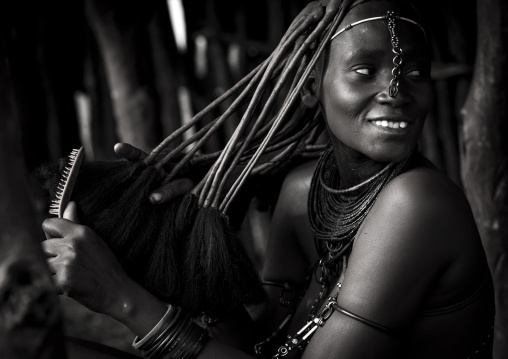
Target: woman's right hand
(82,265)
(85,269)
(165,193)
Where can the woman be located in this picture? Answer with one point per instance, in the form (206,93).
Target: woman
(400,269)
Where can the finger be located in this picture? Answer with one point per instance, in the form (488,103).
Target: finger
(47,235)
(58,227)
(60,283)
(51,265)
(71,212)
(46,228)
(172,190)
(50,247)
(129,152)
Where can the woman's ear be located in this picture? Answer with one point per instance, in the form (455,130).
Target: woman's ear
(308,92)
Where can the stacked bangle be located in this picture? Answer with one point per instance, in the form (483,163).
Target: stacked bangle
(175,336)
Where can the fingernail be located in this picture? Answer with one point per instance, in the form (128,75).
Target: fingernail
(155,197)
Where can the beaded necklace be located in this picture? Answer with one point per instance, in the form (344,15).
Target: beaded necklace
(335,216)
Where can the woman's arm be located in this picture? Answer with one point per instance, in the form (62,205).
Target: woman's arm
(85,269)
(407,243)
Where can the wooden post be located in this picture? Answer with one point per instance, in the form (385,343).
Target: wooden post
(30,316)
(484,152)
(114,26)
(164,55)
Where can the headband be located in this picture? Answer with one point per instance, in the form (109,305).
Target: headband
(385,17)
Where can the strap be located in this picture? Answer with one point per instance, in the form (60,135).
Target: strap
(362,319)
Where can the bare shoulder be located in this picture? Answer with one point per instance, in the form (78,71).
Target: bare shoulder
(418,245)
(427,199)
(290,248)
(425,181)
(424,209)
(295,189)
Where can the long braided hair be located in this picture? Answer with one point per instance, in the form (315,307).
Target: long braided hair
(185,252)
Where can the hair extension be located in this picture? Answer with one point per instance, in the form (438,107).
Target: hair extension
(152,241)
(186,252)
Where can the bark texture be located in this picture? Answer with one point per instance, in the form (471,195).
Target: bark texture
(30,318)
(115,27)
(485,154)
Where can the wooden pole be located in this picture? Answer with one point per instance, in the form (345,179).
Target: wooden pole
(30,317)
(114,26)
(484,154)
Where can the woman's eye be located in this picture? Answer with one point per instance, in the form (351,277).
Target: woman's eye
(415,73)
(365,71)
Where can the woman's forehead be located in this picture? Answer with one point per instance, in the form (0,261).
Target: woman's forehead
(374,36)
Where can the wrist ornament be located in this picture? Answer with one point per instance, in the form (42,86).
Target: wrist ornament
(174,336)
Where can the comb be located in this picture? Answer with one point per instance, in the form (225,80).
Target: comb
(66,182)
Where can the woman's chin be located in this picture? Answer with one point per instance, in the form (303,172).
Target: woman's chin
(390,155)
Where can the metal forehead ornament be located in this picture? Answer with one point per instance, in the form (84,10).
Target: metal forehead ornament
(390,16)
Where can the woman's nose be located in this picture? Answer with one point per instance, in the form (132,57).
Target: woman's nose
(393,92)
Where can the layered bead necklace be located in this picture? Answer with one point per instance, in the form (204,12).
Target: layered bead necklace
(335,216)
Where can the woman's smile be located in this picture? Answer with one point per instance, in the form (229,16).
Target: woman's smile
(391,124)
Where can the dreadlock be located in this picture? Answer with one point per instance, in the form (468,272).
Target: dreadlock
(283,135)
(186,251)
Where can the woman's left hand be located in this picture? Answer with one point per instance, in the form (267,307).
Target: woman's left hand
(164,194)
(83,266)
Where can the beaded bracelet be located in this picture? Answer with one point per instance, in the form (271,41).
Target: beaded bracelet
(175,336)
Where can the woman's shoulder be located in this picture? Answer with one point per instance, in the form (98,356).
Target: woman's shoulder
(427,194)
(421,236)
(295,188)
(290,223)
(290,248)
(302,172)
(421,207)
(423,216)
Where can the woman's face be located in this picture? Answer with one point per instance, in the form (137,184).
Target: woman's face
(354,80)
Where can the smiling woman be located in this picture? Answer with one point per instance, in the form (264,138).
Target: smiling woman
(355,84)
(373,253)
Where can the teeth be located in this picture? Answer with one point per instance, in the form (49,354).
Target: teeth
(391,124)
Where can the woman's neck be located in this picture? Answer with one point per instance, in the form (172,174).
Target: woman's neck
(354,167)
